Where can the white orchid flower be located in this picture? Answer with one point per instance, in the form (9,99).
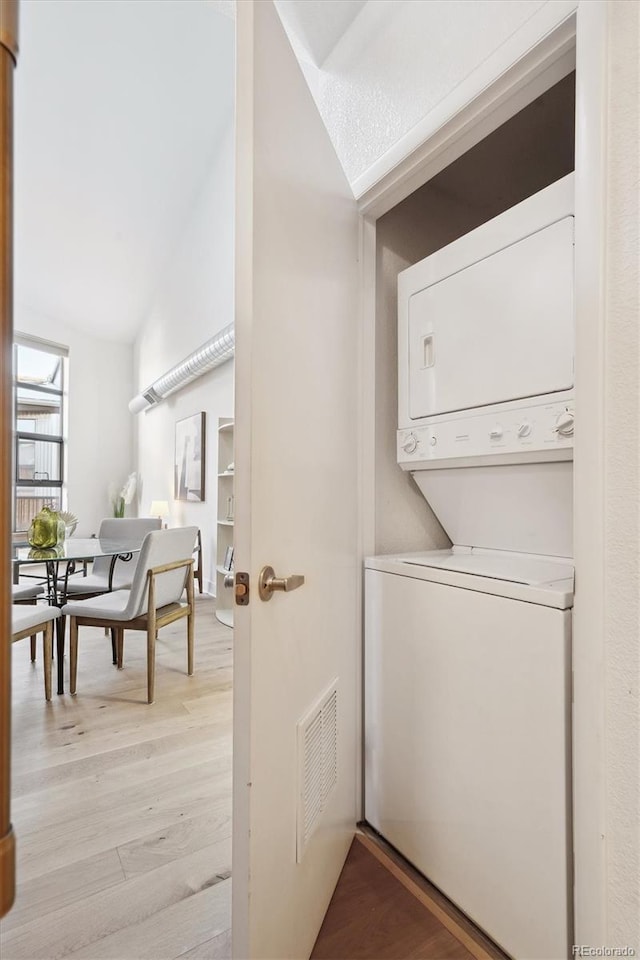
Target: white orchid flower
(129,489)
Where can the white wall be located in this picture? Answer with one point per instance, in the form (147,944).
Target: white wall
(99,447)
(622,521)
(193,301)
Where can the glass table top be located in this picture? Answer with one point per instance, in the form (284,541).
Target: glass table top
(76,549)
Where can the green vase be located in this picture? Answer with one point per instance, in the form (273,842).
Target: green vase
(48,553)
(43,532)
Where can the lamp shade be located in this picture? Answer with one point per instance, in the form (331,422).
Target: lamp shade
(159,508)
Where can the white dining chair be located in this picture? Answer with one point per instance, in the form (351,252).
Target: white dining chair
(113,528)
(27,593)
(155,599)
(97,582)
(28,621)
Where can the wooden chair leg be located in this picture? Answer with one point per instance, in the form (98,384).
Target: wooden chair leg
(197,573)
(190,619)
(73,654)
(114,645)
(151,662)
(34,637)
(119,632)
(47,653)
(190,634)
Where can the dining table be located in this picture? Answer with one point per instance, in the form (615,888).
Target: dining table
(62,562)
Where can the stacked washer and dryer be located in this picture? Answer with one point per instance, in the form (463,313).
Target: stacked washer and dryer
(468,650)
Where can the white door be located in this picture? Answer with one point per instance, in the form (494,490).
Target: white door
(296,459)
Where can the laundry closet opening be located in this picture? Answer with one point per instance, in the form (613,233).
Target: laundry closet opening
(468,599)
(533,149)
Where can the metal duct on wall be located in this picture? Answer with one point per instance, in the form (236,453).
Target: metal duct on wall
(211,354)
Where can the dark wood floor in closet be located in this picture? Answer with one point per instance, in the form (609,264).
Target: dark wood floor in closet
(383,910)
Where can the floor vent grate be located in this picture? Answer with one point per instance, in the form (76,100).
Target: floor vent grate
(317,764)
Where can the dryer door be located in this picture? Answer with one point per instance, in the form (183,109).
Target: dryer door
(498,330)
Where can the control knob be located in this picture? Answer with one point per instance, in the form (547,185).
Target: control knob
(524,429)
(564,423)
(410,443)
(496,432)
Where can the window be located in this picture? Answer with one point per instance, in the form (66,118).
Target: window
(39,452)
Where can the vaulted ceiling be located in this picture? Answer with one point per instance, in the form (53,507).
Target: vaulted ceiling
(120,107)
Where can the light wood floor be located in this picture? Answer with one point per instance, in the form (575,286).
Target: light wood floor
(122,811)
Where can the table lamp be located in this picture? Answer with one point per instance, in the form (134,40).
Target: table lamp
(159,508)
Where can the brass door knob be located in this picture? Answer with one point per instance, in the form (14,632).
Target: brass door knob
(268,583)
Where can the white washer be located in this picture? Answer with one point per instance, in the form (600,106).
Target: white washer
(467,762)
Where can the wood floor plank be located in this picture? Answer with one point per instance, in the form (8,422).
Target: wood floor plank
(66,739)
(215,704)
(44,777)
(61,810)
(96,742)
(168,933)
(217,949)
(175,841)
(84,926)
(62,887)
(89,790)
(48,849)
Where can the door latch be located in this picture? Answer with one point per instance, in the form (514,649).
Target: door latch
(242,589)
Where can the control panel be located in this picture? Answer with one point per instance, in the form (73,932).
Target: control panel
(542,428)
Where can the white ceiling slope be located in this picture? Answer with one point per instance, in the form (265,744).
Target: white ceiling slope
(119,107)
(314,27)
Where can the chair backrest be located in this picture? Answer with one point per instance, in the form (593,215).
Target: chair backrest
(123,528)
(158,548)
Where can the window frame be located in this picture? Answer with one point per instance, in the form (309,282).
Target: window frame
(58,439)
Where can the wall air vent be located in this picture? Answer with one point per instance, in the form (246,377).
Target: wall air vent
(317,764)
(211,354)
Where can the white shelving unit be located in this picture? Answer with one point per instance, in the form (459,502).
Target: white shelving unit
(224,595)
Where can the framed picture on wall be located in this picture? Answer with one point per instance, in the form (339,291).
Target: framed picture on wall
(190,457)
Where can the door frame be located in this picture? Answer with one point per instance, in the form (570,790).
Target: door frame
(519,71)
(8,57)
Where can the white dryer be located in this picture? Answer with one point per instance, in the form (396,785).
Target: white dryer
(467,650)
